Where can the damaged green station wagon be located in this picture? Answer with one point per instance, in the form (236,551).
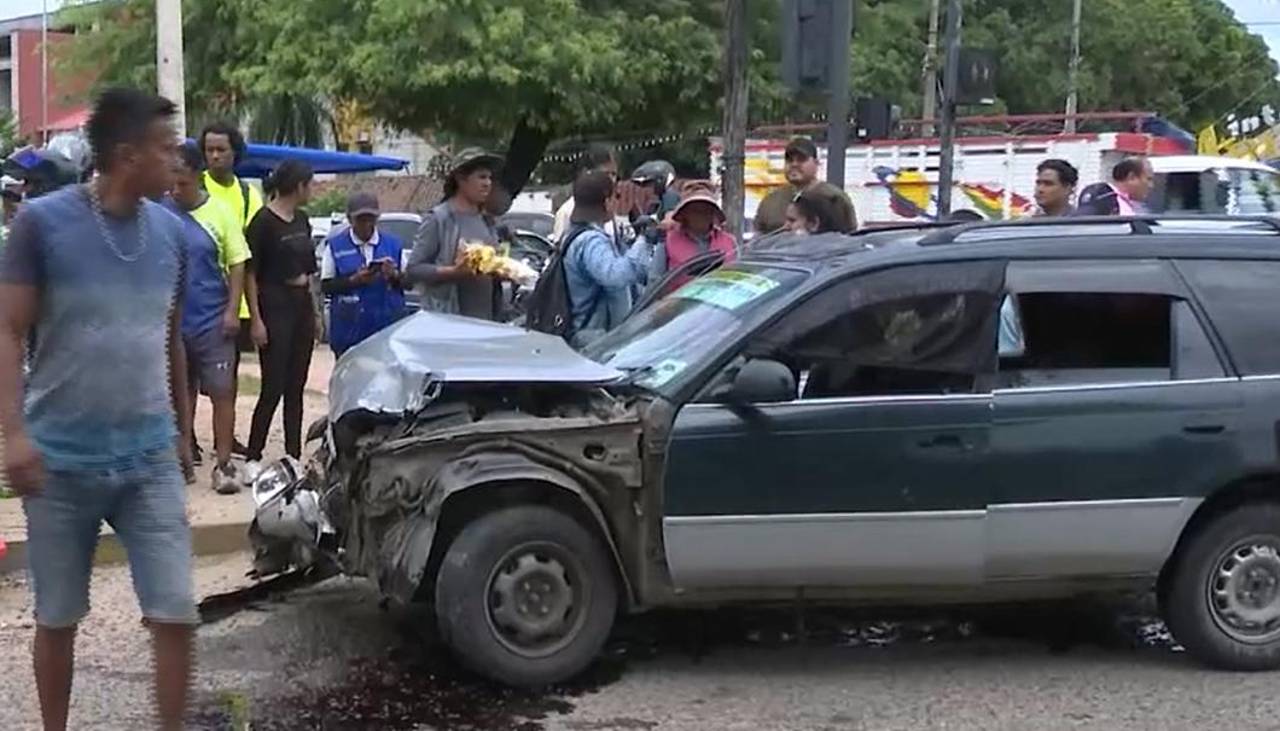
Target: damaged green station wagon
(972,414)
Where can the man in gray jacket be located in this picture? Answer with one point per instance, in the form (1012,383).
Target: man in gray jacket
(442,284)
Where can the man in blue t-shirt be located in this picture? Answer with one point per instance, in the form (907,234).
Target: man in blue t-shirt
(216,256)
(100,433)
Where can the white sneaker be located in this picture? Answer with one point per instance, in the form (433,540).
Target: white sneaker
(226,479)
(250,472)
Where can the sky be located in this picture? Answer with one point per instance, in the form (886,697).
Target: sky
(1252,12)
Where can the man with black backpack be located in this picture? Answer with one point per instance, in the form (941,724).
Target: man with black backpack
(587,288)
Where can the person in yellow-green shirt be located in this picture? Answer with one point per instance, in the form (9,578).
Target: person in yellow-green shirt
(222,146)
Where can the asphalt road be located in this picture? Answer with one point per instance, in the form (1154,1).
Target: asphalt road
(327,657)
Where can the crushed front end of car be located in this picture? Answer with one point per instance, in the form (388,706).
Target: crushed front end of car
(424,411)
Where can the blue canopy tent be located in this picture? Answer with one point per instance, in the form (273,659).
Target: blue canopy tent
(259,160)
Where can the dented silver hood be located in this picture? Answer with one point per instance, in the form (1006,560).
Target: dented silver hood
(392,372)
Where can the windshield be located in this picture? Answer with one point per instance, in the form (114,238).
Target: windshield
(661,342)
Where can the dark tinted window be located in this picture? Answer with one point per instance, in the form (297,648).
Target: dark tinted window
(1243,302)
(1090,337)
(911,330)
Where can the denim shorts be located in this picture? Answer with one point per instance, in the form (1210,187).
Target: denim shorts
(144,500)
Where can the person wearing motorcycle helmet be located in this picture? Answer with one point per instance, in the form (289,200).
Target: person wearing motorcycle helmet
(41,170)
(657,176)
(11,195)
(29,173)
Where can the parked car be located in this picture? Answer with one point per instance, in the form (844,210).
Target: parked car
(541,224)
(983,413)
(1204,184)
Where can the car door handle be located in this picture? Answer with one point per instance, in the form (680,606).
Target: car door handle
(1204,428)
(943,441)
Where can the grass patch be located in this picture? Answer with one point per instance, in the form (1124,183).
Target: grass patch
(249,386)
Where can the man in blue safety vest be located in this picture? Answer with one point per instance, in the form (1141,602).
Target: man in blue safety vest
(361,274)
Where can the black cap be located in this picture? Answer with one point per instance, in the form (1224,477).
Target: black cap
(801,146)
(362,204)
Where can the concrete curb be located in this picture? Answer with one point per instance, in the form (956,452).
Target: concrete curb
(206,540)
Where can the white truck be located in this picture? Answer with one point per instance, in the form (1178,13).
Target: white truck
(896,180)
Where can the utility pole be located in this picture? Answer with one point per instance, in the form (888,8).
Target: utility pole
(1073,83)
(950,84)
(735,115)
(171,83)
(44,71)
(838,109)
(931,70)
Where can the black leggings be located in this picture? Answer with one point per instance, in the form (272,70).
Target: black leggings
(291,330)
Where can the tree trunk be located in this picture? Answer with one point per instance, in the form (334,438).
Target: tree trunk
(524,153)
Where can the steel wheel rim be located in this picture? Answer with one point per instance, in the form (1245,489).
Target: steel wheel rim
(1243,590)
(536,598)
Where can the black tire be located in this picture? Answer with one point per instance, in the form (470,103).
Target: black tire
(1199,613)
(485,580)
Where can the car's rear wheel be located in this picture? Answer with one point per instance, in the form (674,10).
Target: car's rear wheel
(1223,599)
(526,596)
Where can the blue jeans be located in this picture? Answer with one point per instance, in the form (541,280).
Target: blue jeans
(145,503)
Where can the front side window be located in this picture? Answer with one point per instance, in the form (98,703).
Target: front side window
(912,330)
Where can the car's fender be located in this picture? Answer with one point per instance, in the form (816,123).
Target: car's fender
(501,465)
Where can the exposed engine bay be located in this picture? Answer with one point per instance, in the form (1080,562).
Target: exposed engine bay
(370,498)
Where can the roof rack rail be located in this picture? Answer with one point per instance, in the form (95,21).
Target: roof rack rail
(1138,225)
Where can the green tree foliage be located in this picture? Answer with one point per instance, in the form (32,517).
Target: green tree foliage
(9,138)
(117,42)
(519,74)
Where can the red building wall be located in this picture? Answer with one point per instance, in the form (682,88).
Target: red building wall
(66,94)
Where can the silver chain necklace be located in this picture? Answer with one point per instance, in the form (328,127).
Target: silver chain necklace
(140,218)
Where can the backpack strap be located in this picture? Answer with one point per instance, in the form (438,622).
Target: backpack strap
(244,196)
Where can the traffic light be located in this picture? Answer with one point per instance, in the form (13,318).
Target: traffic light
(976,82)
(808,35)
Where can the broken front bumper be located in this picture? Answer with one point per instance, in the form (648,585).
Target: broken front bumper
(290,528)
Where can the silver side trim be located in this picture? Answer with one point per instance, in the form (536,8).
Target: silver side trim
(904,399)
(1271,377)
(851,549)
(821,517)
(1049,505)
(961,397)
(1113,386)
(1084,538)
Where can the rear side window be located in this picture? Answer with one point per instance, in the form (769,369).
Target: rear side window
(1243,302)
(1070,338)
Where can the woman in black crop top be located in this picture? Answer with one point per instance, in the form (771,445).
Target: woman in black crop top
(283,263)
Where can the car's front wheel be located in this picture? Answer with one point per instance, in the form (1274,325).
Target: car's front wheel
(1223,599)
(526,596)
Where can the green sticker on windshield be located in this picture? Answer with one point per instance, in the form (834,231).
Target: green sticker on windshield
(727,288)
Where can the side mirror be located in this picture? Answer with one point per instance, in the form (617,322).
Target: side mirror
(762,381)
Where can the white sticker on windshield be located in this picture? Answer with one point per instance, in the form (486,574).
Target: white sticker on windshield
(663,372)
(727,288)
